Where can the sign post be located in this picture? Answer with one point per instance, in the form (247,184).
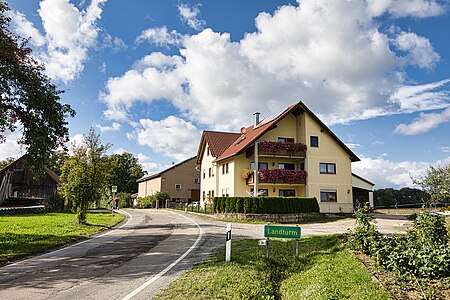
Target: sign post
(114,191)
(228,243)
(284,232)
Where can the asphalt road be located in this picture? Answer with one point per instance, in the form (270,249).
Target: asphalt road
(138,259)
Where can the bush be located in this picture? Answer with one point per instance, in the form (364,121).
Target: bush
(424,251)
(265,205)
(145,202)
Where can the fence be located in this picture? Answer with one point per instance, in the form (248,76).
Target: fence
(193,207)
(8,211)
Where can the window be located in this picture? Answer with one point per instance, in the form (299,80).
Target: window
(262,165)
(225,168)
(204,173)
(178,186)
(286,193)
(212,194)
(286,166)
(302,166)
(327,168)
(204,195)
(262,192)
(209,172)
(285,140)
(314,141)
(196,180)
(328,195)
(225,193)
(207,151)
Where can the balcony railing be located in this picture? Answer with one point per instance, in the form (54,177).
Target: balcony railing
(277,176)
(282,149)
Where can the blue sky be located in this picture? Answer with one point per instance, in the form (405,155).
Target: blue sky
(151,75)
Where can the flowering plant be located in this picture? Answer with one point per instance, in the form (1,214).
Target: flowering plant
(246,173)
(278,146)
(289,176)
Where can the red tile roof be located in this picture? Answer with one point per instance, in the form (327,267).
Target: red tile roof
(224,145)
(217,141)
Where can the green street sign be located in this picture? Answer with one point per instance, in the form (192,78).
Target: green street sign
(285,232)
(114,189)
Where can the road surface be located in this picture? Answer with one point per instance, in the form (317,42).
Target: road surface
(138,259)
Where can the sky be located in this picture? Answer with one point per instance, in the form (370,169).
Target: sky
(151,75)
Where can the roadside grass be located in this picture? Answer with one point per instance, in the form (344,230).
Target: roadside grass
(25,235)
(325,269)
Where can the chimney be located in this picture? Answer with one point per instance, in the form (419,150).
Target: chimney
(256,114)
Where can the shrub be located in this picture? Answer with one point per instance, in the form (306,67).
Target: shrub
(424,251)
(268,205)
(145,202)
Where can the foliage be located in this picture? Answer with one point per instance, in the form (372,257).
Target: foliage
(124,200)
(6,162)
(161,196)
(392,197)
(324,270)
(287,176)
(146,202)
(279,147)
(56,160)
(31,234)
(265,205)
(124,170)
(424,251)
(436,183)
(246,173)
(85,174)
(28,98)
(54,203)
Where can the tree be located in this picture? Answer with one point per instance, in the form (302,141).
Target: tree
(29,100)
(124,171)
(436,183)
(85,174)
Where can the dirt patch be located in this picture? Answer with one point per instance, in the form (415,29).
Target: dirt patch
(407,287)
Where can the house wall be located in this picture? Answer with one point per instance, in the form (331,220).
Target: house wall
(329,151)
(226,181)
(208,183)
(183,174)
(149,187)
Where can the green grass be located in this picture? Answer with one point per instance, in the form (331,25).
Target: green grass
(324,270)
(21,236)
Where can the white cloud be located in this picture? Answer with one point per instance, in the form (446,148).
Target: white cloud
(353,145)
(74,141)
(171,137)
(376,143)
(160,36)
(330,54)
(11,147)
(102,68)
(189,15)
(424,123)
(25,28)
(386,173)
(69,33)
(405,8)
(147,164)
(419,50)
(445,149)
(114,127)
(114,43)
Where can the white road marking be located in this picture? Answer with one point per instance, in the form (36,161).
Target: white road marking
(79,243)
(167,269)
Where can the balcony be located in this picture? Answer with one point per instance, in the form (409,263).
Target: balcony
(278,149)
(276,176)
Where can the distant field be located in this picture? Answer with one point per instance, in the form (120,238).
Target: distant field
(31,234)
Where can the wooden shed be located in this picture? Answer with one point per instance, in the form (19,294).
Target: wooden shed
(19,187)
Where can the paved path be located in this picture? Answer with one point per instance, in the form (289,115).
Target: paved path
(137,260)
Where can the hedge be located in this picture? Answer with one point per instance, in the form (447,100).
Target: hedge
(265,205)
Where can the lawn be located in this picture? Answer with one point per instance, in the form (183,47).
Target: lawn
(25,235)
(324,270)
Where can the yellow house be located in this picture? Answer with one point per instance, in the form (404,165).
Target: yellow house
(293,154)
